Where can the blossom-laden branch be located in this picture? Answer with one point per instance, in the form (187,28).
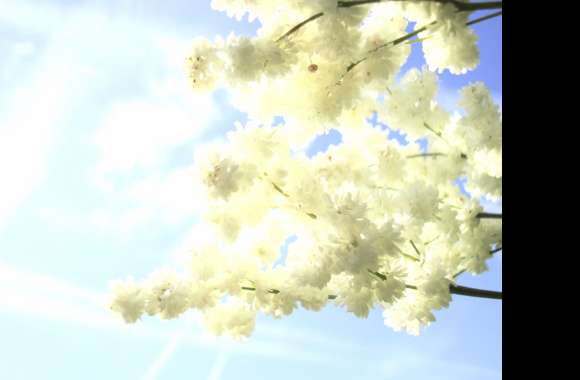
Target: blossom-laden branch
(453,289)
(256,191)
(411,35)
(461,7)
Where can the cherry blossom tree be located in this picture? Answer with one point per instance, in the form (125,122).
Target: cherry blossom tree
(374,222)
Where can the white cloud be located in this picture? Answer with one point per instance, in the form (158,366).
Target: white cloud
(434,368)
(45,297)
(145,143)
(166,197)
(13,279)
(161,361)
(122,68)
(42,296)
(28,131)
(119,222)
(63,61)
(141,134)
(219,366)
(35,17)
(137,142)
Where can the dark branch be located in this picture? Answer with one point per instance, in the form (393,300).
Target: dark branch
(473,292)
(471,7)
(483,18)
(488,215)
(453,289)
(463,7)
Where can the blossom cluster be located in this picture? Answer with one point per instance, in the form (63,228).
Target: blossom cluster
(369,222)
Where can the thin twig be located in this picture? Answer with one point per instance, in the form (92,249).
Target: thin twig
(415,248)
(435,154)
(300,25)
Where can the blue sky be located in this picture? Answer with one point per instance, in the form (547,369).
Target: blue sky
(97,134)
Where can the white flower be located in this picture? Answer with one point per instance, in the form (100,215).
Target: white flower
(204,65)
(128,300)
(233,318)
(217,171)
(411,106)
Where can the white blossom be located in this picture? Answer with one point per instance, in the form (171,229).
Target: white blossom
(375,222)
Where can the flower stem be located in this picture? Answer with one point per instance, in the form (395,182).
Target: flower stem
(427,155)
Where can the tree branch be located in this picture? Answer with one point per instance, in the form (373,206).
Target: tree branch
(461,7)
(453,289)
(488,215)
(483,18)
(409,36)
(473,292)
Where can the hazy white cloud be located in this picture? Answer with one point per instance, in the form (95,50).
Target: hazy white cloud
(44,85)
(18,280)
(45,297)
(137,142)
(165,197)
(140,134)
(37,88)
(435,369)
(145,143)
(35,17)
(42,296)
(163,358)
(28,131)
(147,116)
(219,366)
